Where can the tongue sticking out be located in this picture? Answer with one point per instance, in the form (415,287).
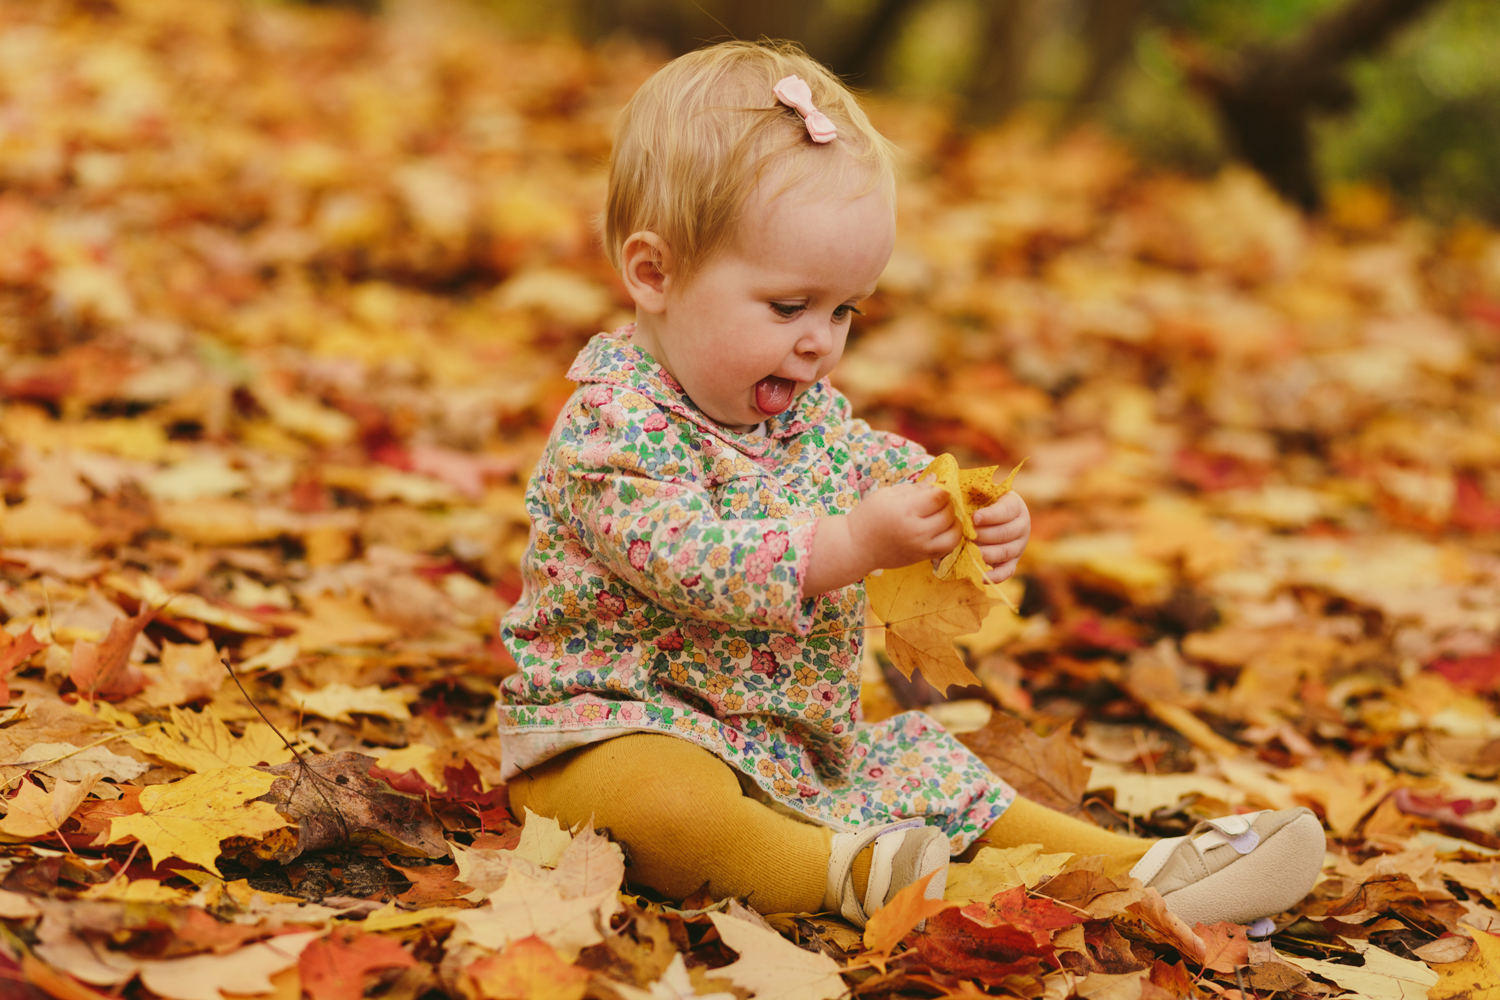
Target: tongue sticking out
(774,394)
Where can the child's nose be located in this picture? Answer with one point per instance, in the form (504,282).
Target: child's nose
(816,340)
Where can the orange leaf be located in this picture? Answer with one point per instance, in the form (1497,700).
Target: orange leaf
(1225,946)
(922,616)
(14,651)
(530,969)
(891,923)
(334,968)
(104,670)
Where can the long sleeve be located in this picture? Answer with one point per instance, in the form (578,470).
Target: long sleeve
(623,494)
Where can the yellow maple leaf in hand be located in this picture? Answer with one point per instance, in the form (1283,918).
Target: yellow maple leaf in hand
(187,819)
(924,609)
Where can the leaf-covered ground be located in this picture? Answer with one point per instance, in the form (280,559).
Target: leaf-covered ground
(285,299)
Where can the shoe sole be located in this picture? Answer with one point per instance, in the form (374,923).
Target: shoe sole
(1270,879)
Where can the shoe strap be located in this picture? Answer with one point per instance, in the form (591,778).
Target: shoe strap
(1236,831)
(839,895)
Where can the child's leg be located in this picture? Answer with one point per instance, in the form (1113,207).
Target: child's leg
(684,821)
(1025,822)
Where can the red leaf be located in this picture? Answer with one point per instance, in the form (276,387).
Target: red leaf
(1226,946)
(1472,510)
(956,945)
(334,968)
(890,924)
(1211,473)
(14,651)
(1015,909)
(1479,673)
(104,670)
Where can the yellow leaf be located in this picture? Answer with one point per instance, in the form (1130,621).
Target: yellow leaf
(417,757)
(187,819)
(771,966)
(922,615)
(340,701)
(1476,977)
(199,741)
(36,812)
(996,869)
(187,673)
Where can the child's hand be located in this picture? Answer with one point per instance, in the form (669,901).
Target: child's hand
(1003,528)
(900,525)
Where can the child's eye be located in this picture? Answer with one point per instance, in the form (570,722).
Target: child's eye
(842,313)
(786,310)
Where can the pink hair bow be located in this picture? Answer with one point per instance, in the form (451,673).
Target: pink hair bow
(794,92)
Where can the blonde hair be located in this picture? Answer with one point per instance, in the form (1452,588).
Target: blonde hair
(701,134)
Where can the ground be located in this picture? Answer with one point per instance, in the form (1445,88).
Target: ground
(286,296)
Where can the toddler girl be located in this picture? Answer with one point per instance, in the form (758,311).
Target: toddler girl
(704,514)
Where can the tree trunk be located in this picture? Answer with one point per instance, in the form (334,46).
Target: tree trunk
(1266,102)
(1000,76)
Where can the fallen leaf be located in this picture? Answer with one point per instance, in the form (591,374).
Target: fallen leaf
(889,925)
(340,701)
(104,670)
(335,967)
(1225,946)
(525,907)
(528,969)
(187,819)
(543,840)
(35,812)
(1474,977)
(772,968)
(14,651)
(996,869)
(63,760)
(211,976)
(1385,976)
(922,616)
(199,741)
(675,983)
(187,673)
(333,800)
(1049,770)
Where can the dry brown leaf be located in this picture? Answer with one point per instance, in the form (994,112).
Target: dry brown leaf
(1048,770)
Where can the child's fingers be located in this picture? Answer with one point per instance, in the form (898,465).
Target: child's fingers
(995,555)
(1003,572)
(1004,510)
(999,534)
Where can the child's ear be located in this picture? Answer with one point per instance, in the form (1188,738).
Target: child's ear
(646,266)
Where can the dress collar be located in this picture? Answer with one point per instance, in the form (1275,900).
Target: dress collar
(611,359)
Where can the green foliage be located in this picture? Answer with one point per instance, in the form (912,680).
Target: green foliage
(1428,124)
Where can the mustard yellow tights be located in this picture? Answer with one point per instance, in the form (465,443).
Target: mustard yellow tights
(685,823)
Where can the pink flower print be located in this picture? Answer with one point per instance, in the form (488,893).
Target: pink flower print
(543,647)
(734,737)
(762,662)
(656,422)
(806,791)
(631,712)
(670,641)
(639,552)
(689,582)
(757,565)
(776,542)
(697,632)
(609,606)
(824,694)
(598,395)
(784,646)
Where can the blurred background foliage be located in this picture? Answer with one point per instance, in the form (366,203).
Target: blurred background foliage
(1409,109)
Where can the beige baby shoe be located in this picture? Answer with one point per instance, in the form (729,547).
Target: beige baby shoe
(904,852)
(1237,868)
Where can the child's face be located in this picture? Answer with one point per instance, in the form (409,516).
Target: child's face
(765,319)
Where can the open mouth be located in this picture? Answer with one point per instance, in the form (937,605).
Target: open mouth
(773,394)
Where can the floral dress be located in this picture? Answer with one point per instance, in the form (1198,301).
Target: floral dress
(663,593)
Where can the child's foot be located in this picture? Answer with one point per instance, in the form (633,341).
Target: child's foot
(903,853)
(1237,868)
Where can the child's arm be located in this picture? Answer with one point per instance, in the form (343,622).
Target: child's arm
(891,527)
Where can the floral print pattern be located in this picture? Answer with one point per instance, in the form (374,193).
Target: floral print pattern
(663,593)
